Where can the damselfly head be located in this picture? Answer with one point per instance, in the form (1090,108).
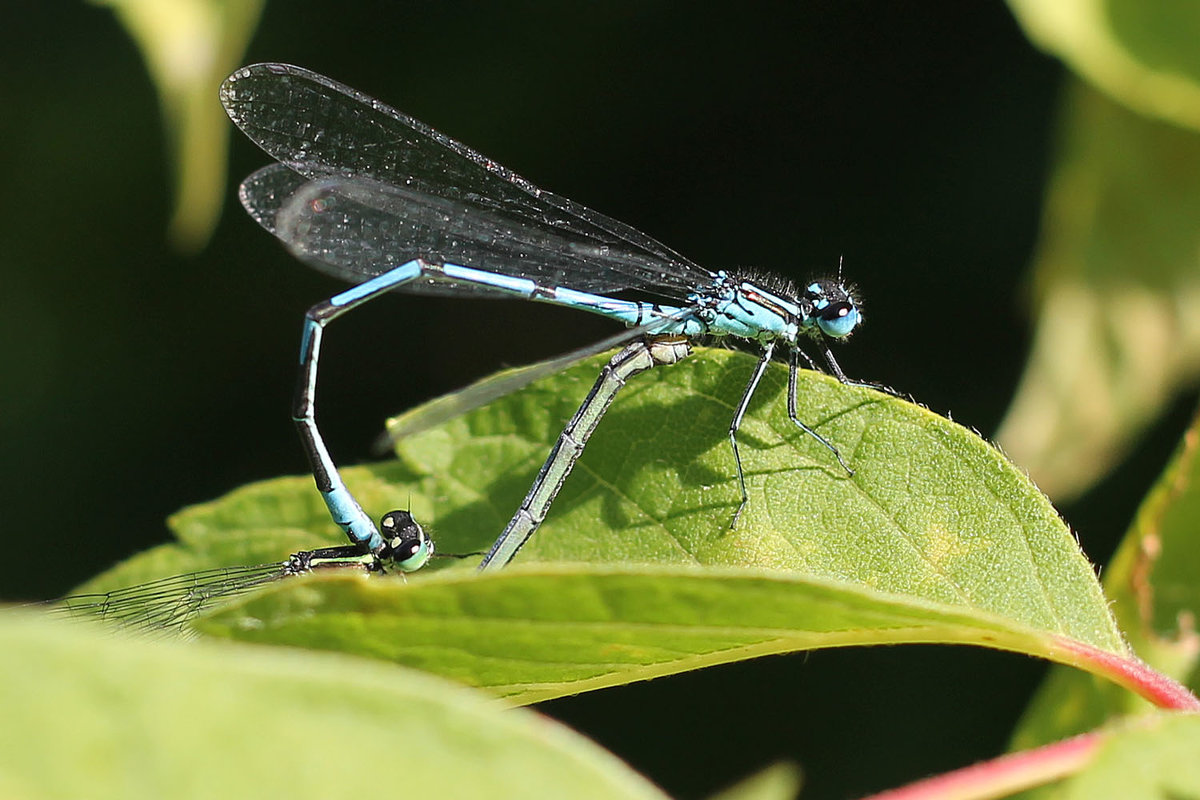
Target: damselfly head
(834,308)
(405,544)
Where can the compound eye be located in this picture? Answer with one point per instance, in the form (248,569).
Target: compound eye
(838,320)
(411,555)
(408,546)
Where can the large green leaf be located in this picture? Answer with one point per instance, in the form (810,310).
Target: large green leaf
(538,632)
(936,537)
(931,511)
(90,715)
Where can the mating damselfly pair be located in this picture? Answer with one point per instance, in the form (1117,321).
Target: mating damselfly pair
(372,196)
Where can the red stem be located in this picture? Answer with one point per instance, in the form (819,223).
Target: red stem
(1134,674)
(1004,775)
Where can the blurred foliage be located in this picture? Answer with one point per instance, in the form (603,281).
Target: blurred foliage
(1151,758)
(1117,285)
(1117,271)
(141,718)
(1143,54)
(190,46)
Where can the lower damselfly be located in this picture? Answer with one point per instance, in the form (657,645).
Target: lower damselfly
(169,604)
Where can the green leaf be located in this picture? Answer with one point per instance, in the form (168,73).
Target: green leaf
(1117,276)
(538,632)
(777,782)
(932,511)
(936,537)
(90,715)
(1142,54)
(189,47)
(1152,757)
(1156,598)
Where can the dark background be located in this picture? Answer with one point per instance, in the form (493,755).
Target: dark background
(911,139)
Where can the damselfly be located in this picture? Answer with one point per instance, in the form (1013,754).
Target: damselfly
(367,193)
(170,603)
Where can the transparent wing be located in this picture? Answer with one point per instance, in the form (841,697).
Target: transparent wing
(485,391)
(356,228)
(169,603)
(320,128)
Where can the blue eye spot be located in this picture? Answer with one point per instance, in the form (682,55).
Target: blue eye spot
(841,325)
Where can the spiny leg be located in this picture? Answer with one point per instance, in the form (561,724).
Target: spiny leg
(635,358)
(736,423)
(793,370)
(841,376)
